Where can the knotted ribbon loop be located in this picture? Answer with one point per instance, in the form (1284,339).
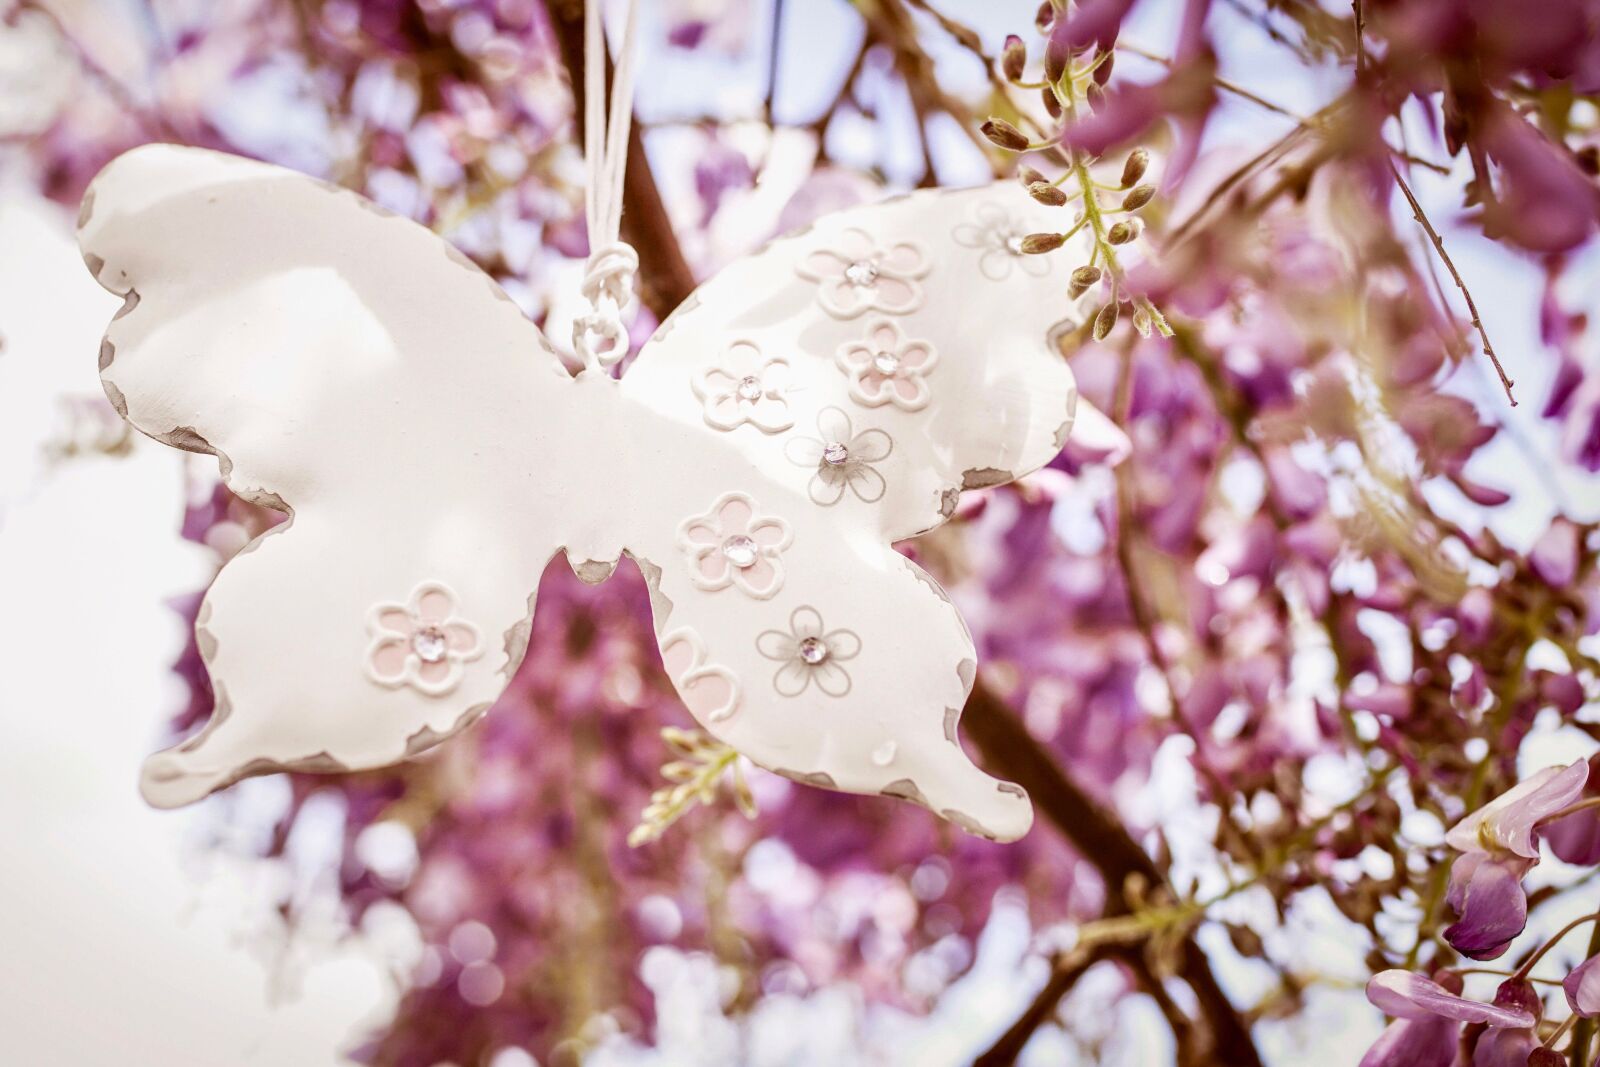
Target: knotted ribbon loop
(599,336)
(608,289)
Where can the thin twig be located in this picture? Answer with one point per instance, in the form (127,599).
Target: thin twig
(1444,257)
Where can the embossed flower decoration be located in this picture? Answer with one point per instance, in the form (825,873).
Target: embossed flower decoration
(421,643)
(999,237)
(746,387)
(809,653)
(858,275)
(842,459)
(885,368)
(732,544)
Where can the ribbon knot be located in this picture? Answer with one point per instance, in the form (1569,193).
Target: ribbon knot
(600,336)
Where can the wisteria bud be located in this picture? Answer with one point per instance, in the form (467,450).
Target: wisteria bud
(1046,193)
(1138,197)
(1105,321)
(1102,73)
(1095,95)
(1027,176)
(1142,320)
(1005,135)
(1013,58)
(1056,55)
(1045,17)
(1051,104)
(1134,169)
(1035,243)
(1544,1056)
(1082,278)
(1124,231)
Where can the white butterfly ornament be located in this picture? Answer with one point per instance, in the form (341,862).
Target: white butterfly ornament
(804,409)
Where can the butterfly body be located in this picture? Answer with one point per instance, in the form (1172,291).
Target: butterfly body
(806,408)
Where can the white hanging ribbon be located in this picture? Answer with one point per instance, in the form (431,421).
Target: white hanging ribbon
(599,336)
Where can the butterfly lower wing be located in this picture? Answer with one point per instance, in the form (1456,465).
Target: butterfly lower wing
(348,367)
(822,655)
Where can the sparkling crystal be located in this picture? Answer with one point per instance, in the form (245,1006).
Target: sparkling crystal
(835,454)
(813,650)
(1014,244)
(429,644)
(886,363)
(749,387)
(861,273)
(740,551)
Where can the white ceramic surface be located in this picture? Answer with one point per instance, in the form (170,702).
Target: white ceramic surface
(808,406)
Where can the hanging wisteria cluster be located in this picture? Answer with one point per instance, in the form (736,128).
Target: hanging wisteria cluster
(1325,561)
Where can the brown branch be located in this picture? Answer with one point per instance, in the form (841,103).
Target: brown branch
(1063,977)
(1444,257)
(1009,749)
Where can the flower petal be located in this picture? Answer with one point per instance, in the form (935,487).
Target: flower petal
(803,451)
(1575,838)
(903,258)
(970,236)
(834,426)
(702,532)
(462,638)
(792,678)
(842,644)
(433,604)
(770,414)
(386,660)
(775,644)
(761,579)
(770,532)
(1582,987)
(831,678)
(996,263)
(1487,895)
(723,411)
(1509,819)
(1425,1042)
(911,391)
(735,514)
(393,619)
(867,484)
(822,264)
(1411,996)
(1504,1048)
(715,380)
(917,356)
(870,446)
(826,487)
(711,567)
(895,295)
(804,622)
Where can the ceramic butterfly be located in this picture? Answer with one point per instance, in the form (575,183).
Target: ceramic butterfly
(804,409)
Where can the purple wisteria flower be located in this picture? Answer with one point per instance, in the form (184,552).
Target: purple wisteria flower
(1499,843)
(1582,988)
(1428,1017)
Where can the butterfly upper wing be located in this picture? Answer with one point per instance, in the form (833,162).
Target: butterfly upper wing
(347,366)
(915,335)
